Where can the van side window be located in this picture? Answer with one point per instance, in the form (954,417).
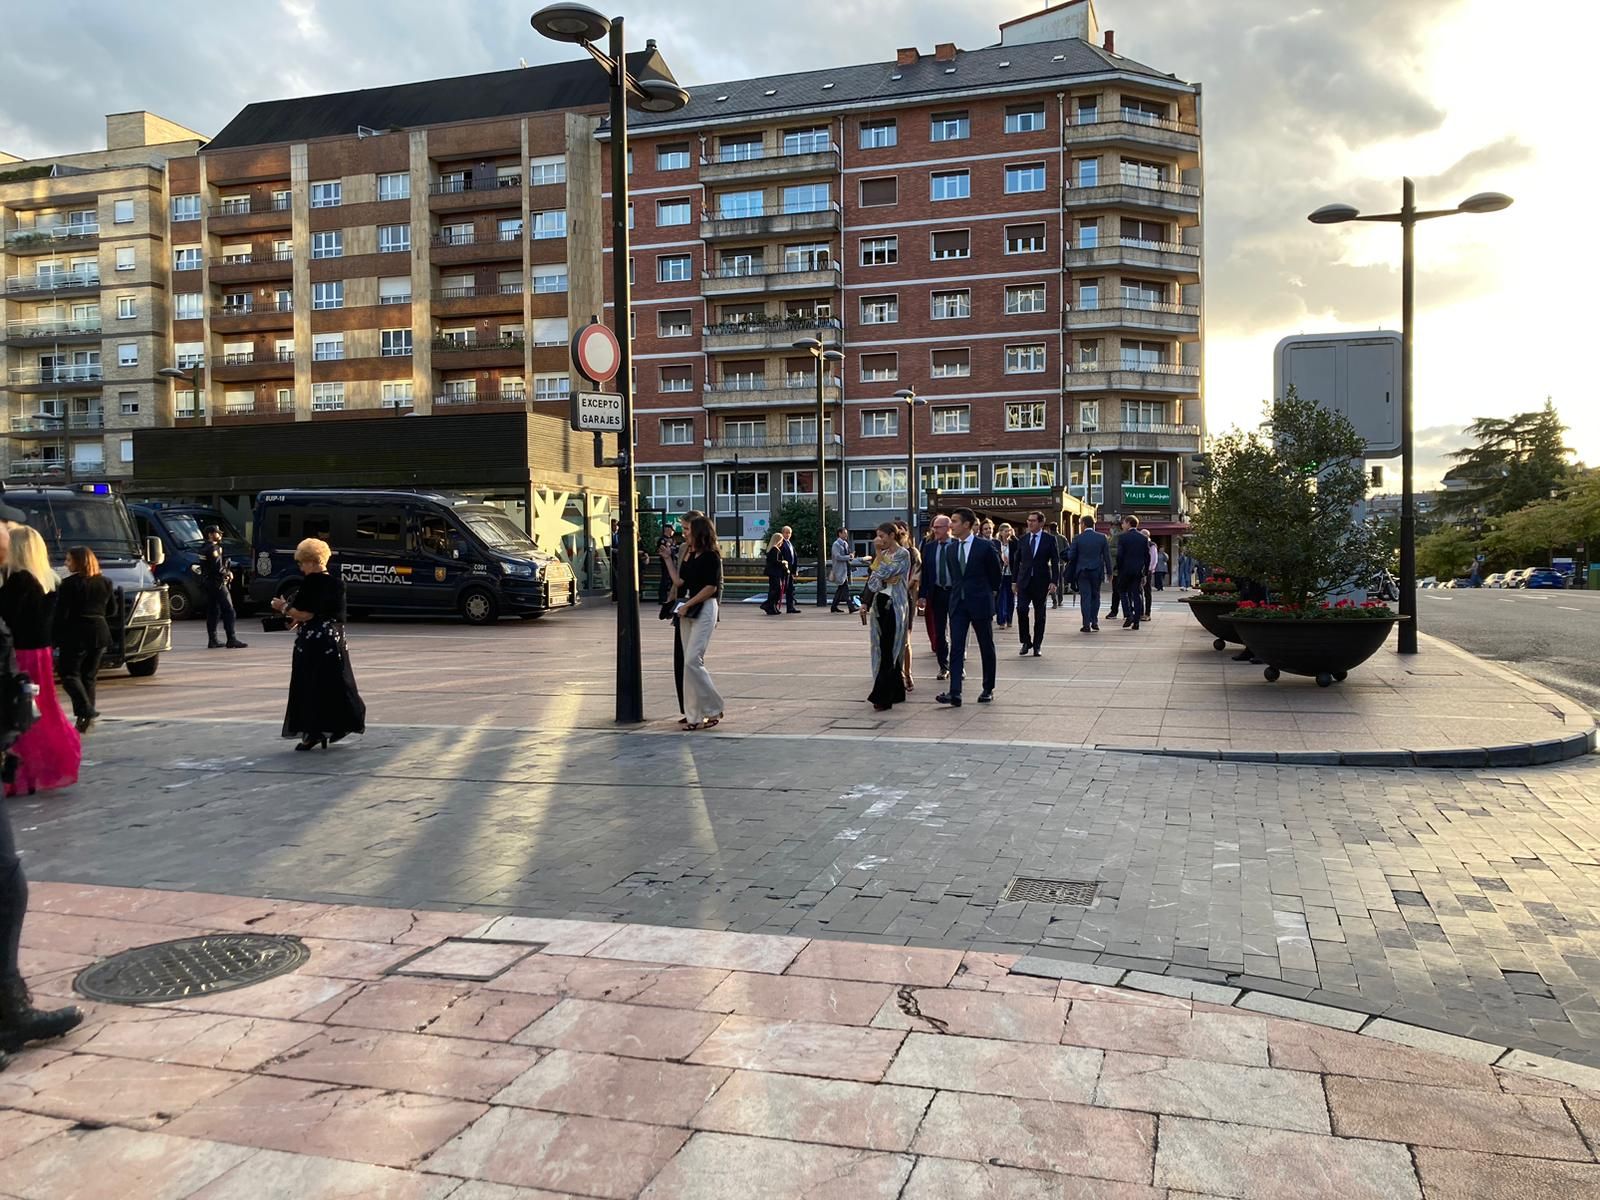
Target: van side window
(379,531)
(317,525)
(285,526)
(145,531)
(433,535)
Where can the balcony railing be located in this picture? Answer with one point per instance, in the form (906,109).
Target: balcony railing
(758,277)
(50,235)
(474,292)
(1134,376)
(780,325)
(51,329)
(741,163)
(461,346)
(245,358)
(29,468)
(805,217)
(455,187)
(52,281)
(245,260)
(84,373)
(765,443)
(259,306)
(459,399)
(1135,312)
(236,209)
(260,408)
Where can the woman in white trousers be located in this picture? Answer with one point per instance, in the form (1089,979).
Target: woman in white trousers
(697,577)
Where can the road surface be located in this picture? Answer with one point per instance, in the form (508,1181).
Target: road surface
(1552,636)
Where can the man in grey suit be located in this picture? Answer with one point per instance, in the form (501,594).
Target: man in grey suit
(839,560)
(1089,562)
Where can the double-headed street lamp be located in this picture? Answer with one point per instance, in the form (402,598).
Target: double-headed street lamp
(583,25)
(912,402)
(1407,218)
(824,355)
(190,375)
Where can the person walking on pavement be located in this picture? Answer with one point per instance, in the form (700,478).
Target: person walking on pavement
(698,578)
(677,642)
(777,567)
(974,579)
(324,705)
(1006,544)
(1162,563)
(934,601)
(885,608)
(1185,571)
(1133,564)
(1038,568)
(216,572)
(48,754)
(913,590)
(792,558)
(86,604)
(611,553)
(1088,563)
(839,562)
(1150,553)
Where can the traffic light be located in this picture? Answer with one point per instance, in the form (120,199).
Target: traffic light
(1202,467)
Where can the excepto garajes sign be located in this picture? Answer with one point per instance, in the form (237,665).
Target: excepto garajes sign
(599,412)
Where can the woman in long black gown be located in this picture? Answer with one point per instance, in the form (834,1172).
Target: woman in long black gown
(324,705)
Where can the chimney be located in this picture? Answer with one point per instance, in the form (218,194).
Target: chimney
(906,57)
(1111,41)
(944,52)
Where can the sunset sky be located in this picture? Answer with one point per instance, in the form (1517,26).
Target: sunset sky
(1303,105)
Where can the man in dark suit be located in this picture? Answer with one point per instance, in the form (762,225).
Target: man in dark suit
(792,557)
(1089,562)
(933,601)
(974,580)
(1133,563)
(1037,568)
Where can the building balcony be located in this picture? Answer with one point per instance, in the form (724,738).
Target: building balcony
(461,195)
(44,425)
(50,377)
(1111,436)
(244,268)
(1181,379)
(758,280)
(1131,192)
(464,248)
(782,165)
(52,331)
(261,315)
(258,411)
(453,354)
(1145,316)
(475,301)
(787,447)
(1178,258)
(53,282)
(458,400)
(235,218)
(782,392)
(779,223)
(262,364)
(49,238)
(767,335)
(1129,127)
(36,468)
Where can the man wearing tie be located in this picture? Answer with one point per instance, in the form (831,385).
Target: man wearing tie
(934,599)
(1133,563)
(974,570)
(1089,562)
(792,558)
(1037,568)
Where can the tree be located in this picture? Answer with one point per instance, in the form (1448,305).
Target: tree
(1539,529)
(1516,461)
(1447,554)
(801,516)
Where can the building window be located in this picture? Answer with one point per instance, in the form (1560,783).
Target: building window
(674,322)
(880,251)
(233,206)
(877,487)
(184,258)
(552,168)
(1025,298)
(552,223)
(550,277)
(328,295)
(677,379)
(188,354)
(327,397)
(1145,472)
(394,343)
(1075,480)
(1088,234)
(951,185)
(1025,360)
(1024,118)
(125,308)
(672,158)
(951,364)
(880,368)
(186,208)
(674,268)
(949,305)
(394,289)
(751,487)
(396,186)
(878,192)
(1085,172)
(122,211)
(509,229)
(1025,239)
(740,147)
(396,393)
(1089,354)
(282,200)
(125,449)
(880,422)
(950,127)
(547,331)
(952,243)
(949,477)
(128,354)
(677,491)
(802,484)
(393,238)
(125,258)
(551,387)
(1088,416)
(677,432)
(328,244)
(880,310)
(1089,294)
(876,135)
(1141,356)
(461,233)
(327,347)
(806,141)
(1025,177)
(673,212)
(806,198)
(1141,293)
(1150,234)
(1027,475)
(955,418)
(128,404)
(1024,417)
(327,194)
(1143,414)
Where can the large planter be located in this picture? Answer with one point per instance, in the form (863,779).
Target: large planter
(1324,648)
(1215,614)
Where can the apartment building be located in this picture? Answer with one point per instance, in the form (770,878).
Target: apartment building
(1013,233)
(84,308)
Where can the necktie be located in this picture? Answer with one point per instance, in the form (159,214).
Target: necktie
(944,564)
(1035,550)
(962,559)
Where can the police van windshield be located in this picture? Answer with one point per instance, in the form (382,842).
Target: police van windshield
(185,528)
(95,522)
(498,533)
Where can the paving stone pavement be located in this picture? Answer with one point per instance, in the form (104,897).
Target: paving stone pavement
(1464,902)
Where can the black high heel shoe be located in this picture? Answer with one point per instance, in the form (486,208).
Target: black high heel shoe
(311,743)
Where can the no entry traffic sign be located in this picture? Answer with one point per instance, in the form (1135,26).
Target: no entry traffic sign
(596,353)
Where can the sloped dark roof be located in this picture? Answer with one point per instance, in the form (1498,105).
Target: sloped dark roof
(551,88)
(991,67)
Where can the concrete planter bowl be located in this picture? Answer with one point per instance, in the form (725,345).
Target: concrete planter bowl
(1326,649)
(1215,614)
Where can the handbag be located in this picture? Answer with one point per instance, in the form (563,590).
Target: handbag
(666,610)
(274,623)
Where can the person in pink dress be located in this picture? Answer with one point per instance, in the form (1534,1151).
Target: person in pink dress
(47,756)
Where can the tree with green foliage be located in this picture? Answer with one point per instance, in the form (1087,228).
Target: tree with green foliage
(1447,553)
(801,516)
(1517,460)
(1538,530)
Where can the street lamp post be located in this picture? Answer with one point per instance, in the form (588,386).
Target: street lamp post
(823,356)
(912,402)
(582,25)
(1407,218)
(191,375)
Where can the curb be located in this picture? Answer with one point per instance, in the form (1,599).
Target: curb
(1520,754)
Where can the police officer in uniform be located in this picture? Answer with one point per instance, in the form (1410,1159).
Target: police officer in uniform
(217,575)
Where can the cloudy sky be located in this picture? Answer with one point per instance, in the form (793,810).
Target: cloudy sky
(1304,103)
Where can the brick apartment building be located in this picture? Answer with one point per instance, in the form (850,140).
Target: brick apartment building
(1012,232)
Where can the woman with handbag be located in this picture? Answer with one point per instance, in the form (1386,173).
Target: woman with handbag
(49,754)
(85,607)
(885,609)
(698,577)
(777,574)
(324,705)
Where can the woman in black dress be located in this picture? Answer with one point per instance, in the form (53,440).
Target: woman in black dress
(324,705)
(85,603)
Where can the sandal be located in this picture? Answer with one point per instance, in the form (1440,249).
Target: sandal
(711,722)
(690,726)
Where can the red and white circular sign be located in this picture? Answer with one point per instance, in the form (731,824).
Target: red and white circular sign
(596,353)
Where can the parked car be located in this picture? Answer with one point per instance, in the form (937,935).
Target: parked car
(1544,577)
(1514,579)
(1498,579)
(1431,581)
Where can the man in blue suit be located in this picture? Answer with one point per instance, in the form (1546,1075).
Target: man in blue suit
(1133,564)
(1089,562)
(1038,565)
(974,580)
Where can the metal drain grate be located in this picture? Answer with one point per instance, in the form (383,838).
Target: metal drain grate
(197,966)
(1051,891)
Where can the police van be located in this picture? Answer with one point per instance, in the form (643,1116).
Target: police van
(410,552)
(180,528)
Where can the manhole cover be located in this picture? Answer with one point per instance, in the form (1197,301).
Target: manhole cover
(197,966)
(1051,891)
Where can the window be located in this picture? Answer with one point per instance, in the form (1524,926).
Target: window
(1024,475)
(876,192)
(327,295)
(458,234)
(951,185)
(1088,415)
(880,310)
(1145,472)
(880,368)
(1025,177)
(952,243)
(876,135)
(394,289)
(1075,480)
(880,422)
(393,238)
(1143,112)
(282,201)
(125,308)
(674,268)
(1088,110)
(551,387)
(327,194)
(752,488)
(394,343)
(677,379)
(237,252)
(552,223)
(1021,418)
(880,251)
(234,205)
(327,347)
(184,258)
(1143,414)
(954,418)
(125,449)
(1086,172)
(677,432)
(188,354)
(950,477)
(122,211)
(673,492)
(509,229)
(950,305)
(1089,294)
(552,168)
(1024,118)
(741,147)
(806,141)
(125,258)
(1143,174)
(128,403)
(549,331)
(951,363)
(672,158)
(674,322)
(327,397)
(1088,235)
(672,212)
(328,244)
(396,393)
(950,127)
(1140,293)
(394,187)
(550,277)
(1025,360)
(1152,234)
(186,208)
(1089,354)
(1141,356)
(877,487)
(1025,298)
(802,484)
(128,354)
(806,197)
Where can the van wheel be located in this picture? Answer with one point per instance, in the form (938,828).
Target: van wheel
(182,603)
(145,667)
(479,606)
